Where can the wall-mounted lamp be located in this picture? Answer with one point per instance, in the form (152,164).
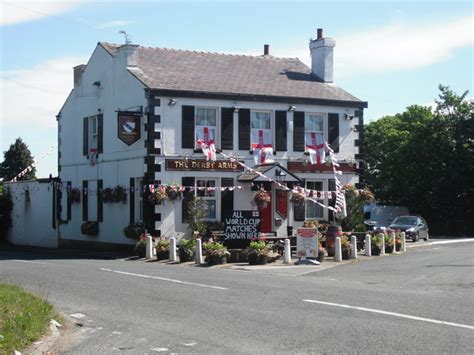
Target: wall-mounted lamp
(291,108)
(280,175)
(96,83)
(354,129)
(172,102)
(99,110)
(348,117)
(236,108)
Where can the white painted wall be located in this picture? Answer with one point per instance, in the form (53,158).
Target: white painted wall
(32,222)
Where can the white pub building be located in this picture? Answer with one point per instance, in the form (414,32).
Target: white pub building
(139,119)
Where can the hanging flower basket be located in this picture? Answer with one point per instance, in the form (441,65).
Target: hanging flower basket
(114,195)
(173,192)
(297,198)
(74,195)
(134,231)
(159,195)
(90,228)
(261,198)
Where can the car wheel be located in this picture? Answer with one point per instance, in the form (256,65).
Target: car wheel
(427,237)
(416,237)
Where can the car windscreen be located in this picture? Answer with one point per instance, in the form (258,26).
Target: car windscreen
(405,220)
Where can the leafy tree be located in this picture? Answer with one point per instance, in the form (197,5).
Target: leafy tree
(425,160)
(16,159)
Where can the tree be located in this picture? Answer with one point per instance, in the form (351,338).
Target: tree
(17,158)
(425,160)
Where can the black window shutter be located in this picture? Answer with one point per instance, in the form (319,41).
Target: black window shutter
(188,194)
(227,198)
(244,129)
(85,137)
(280,131)
(84,200)
(100,133)
(187,127)
(69,202)
(227,128)
(298,131)
(299,208)
(333,131)
(332,201)
(100,202)
(132,200)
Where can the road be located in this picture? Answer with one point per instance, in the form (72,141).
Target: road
(418,302)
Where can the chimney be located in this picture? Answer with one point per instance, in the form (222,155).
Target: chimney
(322,62)
(266,49)
(129,54)
(78,70)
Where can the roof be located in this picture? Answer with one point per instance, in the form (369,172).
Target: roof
(229,74)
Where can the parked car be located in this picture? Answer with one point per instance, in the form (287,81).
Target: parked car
(415,227)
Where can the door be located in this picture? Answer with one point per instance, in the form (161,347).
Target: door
(266,216)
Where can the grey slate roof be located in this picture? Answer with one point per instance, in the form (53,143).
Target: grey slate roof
(183,70)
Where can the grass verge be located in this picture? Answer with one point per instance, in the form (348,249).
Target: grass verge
(24,318)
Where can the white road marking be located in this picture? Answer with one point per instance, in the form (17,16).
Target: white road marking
(31,262)
(164,279)
(77,315)
(190,344)
(159,349)
(394,314)
(453,241)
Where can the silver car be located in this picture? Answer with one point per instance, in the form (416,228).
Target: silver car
(414,227)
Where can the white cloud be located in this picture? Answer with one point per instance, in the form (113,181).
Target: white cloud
(395,47)
(115,23)
(35,95)
(18,11)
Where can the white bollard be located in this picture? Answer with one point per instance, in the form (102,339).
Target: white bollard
(393,242)
(287,252)
(404,245)
(354,247)
(368,245)
(337,250)
(198,252)
(173,256)
(149,247)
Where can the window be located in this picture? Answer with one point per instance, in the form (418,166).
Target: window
(313,210)
(93,134)
(206,124)
(261,122)
(206,189)
(313,127)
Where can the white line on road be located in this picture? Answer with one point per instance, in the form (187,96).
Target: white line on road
(452,241)
(400,315)
(31,262)
(163,279)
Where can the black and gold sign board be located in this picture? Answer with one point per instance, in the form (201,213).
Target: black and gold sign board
(128,124)
(201,165)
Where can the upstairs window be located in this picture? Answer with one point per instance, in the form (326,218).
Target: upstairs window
(205,124)
(92,135)
(314,122)
(261,122)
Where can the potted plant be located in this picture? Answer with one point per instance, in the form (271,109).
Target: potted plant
(90,228)
(376,243)
(159,195)
(258,252)
(114,195)
(134,231)
(74,195)
(261,198)
(186,249)
(163,249)
(216,253)
(346,248)
(388,244)
(398,242)
(140,247)
(296,198)
(173,192)
(321,253)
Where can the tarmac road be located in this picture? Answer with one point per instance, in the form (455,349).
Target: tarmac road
(418,302)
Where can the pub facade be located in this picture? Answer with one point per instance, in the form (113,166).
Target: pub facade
(217,126)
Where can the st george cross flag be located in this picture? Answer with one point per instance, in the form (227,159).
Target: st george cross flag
(262,146)
(315,147)
(205,140)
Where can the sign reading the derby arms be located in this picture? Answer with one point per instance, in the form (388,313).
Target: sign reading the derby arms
(202,165)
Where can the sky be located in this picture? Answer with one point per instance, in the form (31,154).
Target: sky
(390,54)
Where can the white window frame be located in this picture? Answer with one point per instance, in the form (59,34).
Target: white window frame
(263,129)
(93,133)
(324,118)
(321,200)
(216,126)
(215,196)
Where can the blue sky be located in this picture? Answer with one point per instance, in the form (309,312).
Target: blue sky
(391,54)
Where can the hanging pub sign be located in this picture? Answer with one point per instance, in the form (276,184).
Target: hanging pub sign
(128,124)
(240,227)
(307,242)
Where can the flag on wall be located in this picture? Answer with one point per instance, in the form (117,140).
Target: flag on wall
(262,146)
(315,147)
(205,140)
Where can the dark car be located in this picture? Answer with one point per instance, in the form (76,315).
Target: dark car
(414,227)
